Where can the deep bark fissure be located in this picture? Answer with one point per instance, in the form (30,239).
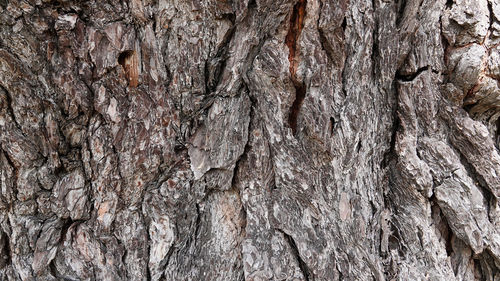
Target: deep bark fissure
(68,109)
(401,5)
(491,18)
(212,79)
(390,154)
(15,171)
(295,250)
(411,77)
(375,50)
(6,251)
(10,109)
(447,232)
(478,179)
(497,135)
(325,45)
(197,224)
(292,41)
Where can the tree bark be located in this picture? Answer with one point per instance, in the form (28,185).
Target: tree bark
(249,140)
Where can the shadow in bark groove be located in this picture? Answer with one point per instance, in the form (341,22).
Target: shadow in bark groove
(302,265)
(291,40)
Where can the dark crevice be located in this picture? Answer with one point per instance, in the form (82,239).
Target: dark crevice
(341,275)
(449,3)
(327,47)
(396,123)
(300,93)
(469,107)
(492,19)
(411,77)
(124,256)
(401,4)
(359,146)
(332,125)
(302,265)
(251,4)
(497,134)
(6,259)
(375,54)
(395,241)
(163,264)
(325,44)
(478,179)
(11,109)
(214,67)
(197,223)
(291,40)
(64,230)
(147,221)
(478,272)
(246,148)
(445,231)
(53,270)
(15,171)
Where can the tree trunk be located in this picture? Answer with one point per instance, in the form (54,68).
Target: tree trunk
(249,140)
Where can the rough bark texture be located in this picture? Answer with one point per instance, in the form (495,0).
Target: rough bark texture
(249,140)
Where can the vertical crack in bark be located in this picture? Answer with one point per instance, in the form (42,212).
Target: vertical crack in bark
(302,264)
(53,270)
(10,109)
(497,135)
(491,18)
(390,154)
(443,227)
(291,40)
(214,68)
(477,178)
(247,146)
(375,47)
(401,5)
(15,173)
(197,223)
(325,44)
(6,258)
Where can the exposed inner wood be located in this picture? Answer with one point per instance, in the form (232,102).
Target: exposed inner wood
(291,40)
(128,60)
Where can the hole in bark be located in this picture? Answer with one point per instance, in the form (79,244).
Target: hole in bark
(468,107)
(478,271)
(358,148)
(344,23)
(332,125)
(128,60)
(449,3)
(251,4)
(64,229)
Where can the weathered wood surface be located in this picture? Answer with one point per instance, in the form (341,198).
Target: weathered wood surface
(249,140)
